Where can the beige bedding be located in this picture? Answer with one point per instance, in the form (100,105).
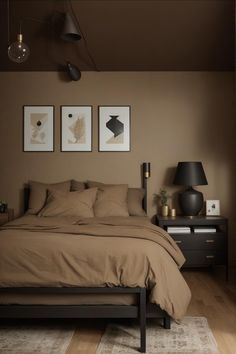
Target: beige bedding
(114,251)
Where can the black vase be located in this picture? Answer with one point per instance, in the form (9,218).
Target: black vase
(191,202)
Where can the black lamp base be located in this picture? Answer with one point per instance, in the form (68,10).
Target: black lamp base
(191,202)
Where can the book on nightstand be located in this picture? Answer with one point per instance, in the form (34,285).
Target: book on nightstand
(203,229)
(178,230)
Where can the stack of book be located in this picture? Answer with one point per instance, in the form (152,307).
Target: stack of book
(178,229)
(204,229)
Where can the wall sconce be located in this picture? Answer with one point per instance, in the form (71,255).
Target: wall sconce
(146,175)
(146,169)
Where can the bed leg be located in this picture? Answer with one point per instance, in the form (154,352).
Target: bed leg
(167,322)
(142,317)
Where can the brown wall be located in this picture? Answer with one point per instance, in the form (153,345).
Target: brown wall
(176,116)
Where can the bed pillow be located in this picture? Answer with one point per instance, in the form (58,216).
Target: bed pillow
(111,201)
(135,198)
(70,203)
(77,186)
(135,201)
(38,194)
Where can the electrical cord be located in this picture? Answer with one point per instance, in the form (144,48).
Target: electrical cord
(8,23)
(85,41)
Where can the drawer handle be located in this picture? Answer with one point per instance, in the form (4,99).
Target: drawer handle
(210,257)
(210,241)
(178,241)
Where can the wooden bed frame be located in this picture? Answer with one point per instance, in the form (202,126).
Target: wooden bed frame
(141,310)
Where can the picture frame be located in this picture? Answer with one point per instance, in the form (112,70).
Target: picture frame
(38,128)
(114,126)
(76,128)
(212,207)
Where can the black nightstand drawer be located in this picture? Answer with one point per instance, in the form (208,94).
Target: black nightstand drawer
(201,241)
(203,258)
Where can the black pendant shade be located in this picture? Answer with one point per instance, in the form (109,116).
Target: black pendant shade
(190,174)
(73,72)
(70,32)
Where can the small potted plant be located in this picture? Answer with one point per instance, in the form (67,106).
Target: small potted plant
(3,206)
(163,195)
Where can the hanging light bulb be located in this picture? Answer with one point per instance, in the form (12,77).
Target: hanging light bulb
(18,51)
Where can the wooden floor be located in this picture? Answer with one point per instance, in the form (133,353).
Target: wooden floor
(212,297)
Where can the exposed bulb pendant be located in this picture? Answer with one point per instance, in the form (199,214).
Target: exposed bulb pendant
(18,51)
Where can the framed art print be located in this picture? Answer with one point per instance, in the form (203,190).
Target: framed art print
(76,128)
(114,128)
(213,207)
(38,126)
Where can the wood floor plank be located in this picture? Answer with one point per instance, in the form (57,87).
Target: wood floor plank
(215,298)
(212,297)
(85,341)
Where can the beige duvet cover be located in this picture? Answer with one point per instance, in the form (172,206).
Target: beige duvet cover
(125,251)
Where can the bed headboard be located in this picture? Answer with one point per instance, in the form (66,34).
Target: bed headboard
(145,172)
(26,198)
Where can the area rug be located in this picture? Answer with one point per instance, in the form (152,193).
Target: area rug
(34,339)
(192,336)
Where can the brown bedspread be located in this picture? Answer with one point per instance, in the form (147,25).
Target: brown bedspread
(94,252)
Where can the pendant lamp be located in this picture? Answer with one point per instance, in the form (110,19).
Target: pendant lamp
(70,32)
(73,72)
(18,51)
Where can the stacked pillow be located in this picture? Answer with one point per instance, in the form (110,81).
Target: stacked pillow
(70,203)
(38,194)
(111,201)
(70,198)
(134,197)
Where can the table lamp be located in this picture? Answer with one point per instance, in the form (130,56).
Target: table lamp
(190,174)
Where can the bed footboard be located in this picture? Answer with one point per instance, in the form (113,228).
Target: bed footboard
(80,311)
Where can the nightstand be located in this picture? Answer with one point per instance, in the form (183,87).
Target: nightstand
(6,217)
(200,249)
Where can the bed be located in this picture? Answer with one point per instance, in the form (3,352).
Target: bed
(105,266)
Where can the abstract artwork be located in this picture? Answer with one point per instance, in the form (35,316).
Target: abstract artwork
(38,128)
(114,128)
(76,128)
(212,207)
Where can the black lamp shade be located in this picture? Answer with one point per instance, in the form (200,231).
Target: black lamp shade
(190,174)
(70,32)
(73,72)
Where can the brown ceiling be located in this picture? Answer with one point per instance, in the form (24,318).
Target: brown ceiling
(124,35)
